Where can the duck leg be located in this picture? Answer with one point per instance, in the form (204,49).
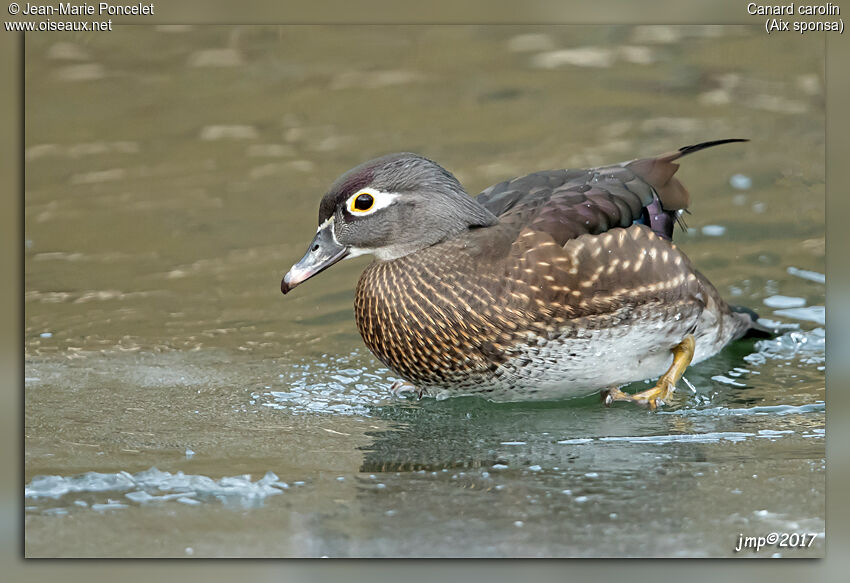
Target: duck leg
(683,353)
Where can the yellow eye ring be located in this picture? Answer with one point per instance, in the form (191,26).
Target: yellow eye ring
(362,203)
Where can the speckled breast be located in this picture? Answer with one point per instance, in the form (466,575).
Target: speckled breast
(427,323)
(538,317)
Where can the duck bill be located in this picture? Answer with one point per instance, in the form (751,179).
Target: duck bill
(324,251)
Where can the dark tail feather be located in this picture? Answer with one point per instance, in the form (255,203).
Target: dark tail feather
(658,172)
(754,329)
(685,150)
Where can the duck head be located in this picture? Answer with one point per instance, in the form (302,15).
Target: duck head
(389,207)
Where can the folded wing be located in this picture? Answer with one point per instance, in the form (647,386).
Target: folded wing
(568,203)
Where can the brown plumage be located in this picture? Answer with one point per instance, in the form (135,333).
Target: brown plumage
(573,286)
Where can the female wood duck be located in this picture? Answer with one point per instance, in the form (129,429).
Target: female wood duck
(552,285)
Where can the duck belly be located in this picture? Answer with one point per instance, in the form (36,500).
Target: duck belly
(563,368)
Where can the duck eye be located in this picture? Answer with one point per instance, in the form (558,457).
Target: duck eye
(363,203)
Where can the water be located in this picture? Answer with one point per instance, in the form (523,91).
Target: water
(178,405)
(142,484)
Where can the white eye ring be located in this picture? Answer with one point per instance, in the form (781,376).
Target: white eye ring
(380,200)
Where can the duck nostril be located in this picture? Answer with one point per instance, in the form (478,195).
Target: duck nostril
(315,248)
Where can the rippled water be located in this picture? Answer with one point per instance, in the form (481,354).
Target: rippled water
(178,405)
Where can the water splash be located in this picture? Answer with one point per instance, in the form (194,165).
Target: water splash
(349,389)
(808,346)
(817,407)
(779,301)
(153,485)
(710,437)
(806,274)
(815,314)
(713,436)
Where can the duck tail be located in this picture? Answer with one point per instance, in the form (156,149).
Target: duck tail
(685,150)
(658,172)
(751,327)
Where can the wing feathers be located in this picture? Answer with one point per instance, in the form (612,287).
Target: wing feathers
(568,203)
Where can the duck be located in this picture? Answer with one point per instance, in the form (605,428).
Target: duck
(554,285)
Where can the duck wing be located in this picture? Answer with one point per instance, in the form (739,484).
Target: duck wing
(568,203)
